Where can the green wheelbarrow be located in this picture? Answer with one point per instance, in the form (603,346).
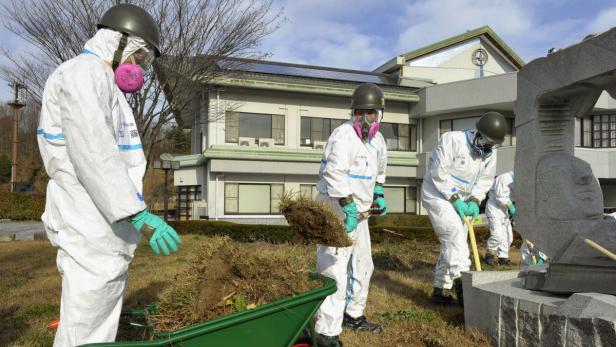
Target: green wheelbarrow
(277,324)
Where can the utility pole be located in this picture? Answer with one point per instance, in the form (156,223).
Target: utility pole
(166,163)
(16,104)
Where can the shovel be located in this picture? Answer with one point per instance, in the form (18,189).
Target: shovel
(471,234)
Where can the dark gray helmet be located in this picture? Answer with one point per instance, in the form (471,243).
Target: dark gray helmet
(132,20)
(493,127)
(368,96)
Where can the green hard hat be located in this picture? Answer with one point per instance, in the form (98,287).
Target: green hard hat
(368,96)
(493,127)
(133,20)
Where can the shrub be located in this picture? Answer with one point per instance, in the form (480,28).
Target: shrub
(283,234)
(239,232)
(20,206)
(416,229)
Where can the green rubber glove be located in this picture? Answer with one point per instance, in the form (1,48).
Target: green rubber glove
(511,208)
(472,210)
(460,206)
(379,200)
(352,217)
(163,238)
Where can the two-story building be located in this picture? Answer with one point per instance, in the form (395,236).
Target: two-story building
(259,129)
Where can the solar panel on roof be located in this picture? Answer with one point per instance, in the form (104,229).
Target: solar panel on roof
(313,72)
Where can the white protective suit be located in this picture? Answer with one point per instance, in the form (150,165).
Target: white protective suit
(501,234)
(92,153)
(453,169)
(348,167)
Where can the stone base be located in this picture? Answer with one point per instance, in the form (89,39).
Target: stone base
(496,303)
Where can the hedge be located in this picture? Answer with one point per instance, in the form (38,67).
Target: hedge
(282,233)
(20,206)
(239,232)
(401,220)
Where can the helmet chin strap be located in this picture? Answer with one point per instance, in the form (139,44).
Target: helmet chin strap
(117,56)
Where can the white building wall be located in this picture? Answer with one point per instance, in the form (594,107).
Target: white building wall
(293,106)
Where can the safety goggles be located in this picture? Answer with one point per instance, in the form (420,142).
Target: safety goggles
(366,113)
(144,57)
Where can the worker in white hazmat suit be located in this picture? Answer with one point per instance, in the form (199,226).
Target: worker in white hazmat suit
(460,172)
(499,211)
(351,179)
(90,145)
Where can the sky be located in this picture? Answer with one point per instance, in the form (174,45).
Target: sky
(363,34)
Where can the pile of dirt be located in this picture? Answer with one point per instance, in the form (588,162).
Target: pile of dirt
(226,276)
(313,222)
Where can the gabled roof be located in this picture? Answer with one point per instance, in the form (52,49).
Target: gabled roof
(486,31)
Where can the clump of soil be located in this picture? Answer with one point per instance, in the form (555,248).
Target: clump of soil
(314,222)
(226,276)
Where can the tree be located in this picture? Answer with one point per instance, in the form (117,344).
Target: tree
(177,140)
(211,29)
(5,168)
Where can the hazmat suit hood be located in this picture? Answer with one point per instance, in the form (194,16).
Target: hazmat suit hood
(105,42)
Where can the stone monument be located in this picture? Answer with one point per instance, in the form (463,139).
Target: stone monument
(559,200)
(569,301)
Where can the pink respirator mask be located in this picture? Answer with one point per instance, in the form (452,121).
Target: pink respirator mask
(129,77)
(364,129)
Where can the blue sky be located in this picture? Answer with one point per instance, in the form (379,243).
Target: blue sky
(363,34)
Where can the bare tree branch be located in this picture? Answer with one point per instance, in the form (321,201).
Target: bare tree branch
(57,31)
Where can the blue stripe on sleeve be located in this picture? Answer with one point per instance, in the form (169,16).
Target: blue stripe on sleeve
(360,176)
(49,136)
(130,147)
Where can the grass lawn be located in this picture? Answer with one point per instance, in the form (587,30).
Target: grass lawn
(401,284)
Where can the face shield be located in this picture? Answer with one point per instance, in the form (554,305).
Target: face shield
(144,57)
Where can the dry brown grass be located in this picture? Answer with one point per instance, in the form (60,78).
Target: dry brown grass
(227,276)
(314,222)
(30,287)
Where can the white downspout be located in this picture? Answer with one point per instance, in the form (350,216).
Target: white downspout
(216,199)
(217,114)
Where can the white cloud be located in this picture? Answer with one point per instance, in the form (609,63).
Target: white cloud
(329,33)
(341,34)
(605,20)
(426,22)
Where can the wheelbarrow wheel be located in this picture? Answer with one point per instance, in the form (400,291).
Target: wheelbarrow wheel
(304,339)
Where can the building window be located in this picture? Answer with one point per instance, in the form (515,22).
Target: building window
(186,195)
(445,126)
(603,131)
(586,132)
(399,137)
(243,198)
(317,129)
(308,190)
(395,197)
(510,135)
(401,199)
(411,200)
(256,125)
